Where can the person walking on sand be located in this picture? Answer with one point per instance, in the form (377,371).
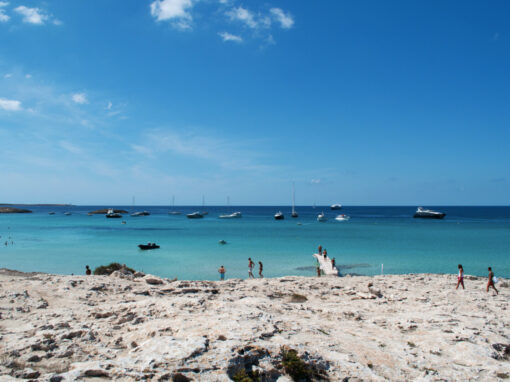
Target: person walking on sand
(490,283)
(261,267)
(460,279)
(222,273)
(251,264)
(88,272)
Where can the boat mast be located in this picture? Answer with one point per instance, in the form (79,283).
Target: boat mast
(293,198)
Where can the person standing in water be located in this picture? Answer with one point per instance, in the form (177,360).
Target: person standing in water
(261,267)
(88,272)
(460,279)
(251,264)
(222,273)
(490,283)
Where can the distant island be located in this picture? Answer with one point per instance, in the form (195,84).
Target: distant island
(36,205)
(12,210)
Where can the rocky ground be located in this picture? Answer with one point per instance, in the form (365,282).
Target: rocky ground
(398,328)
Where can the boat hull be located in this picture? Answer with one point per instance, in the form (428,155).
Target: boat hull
(146,247)
(429,216)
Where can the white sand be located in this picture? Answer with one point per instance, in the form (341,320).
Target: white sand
(101,328)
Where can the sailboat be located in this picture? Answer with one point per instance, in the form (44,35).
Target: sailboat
(174,212)
(204,212)
(294,214)
(139,213)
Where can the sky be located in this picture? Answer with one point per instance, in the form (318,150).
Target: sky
(353,102)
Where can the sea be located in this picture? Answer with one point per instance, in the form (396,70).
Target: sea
(375,240)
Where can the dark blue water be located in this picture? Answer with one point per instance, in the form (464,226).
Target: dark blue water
(477,237)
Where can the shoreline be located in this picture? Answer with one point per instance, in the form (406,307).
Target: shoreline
(366,328)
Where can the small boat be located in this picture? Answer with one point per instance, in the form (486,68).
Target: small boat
(174,212)
(140,213)
(424,213)
(321,217)
(148,246)
(195,215)
(204,213)
(234,215)
(336,206)
(279,215)
(51,213)
(342,218)
(222,242)
(112,214)
(68,213)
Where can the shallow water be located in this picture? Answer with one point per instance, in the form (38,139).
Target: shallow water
(477,237)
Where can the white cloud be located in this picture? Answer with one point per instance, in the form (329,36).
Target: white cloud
(32,15)
(243,15)
(28,76)
(10,105)
(230,37)
(176,10)
(3,17)
(286,21)
(80,98)
(315,181)
(109,106)
(68,146)
(7,75)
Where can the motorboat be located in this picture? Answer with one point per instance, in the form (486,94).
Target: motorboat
(336,207)
(140,213)
(51,213)
(234,215)
(342,218)
(222,242)
(111,214)
(424,213)
(279,215)
(321,217)
(148,246)
(195,215)
(68,213)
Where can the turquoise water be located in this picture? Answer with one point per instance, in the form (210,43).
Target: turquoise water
(477,237)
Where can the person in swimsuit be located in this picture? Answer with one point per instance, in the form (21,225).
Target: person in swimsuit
(320,249)
(325,253)
(460,279)
(222,272)
(251,264)
(333,263)
(88,272)
(490,283)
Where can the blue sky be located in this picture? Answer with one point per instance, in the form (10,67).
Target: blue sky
(365,102)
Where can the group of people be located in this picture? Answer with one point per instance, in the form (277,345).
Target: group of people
(251,265)
(490,283)
(324,254)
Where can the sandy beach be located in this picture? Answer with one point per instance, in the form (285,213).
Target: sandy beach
(395,327)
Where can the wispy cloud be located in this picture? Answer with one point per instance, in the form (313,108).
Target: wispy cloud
(176,11)
(80,98)
(3,17)
(72,148)
(10,105)
(285,19)
(230,37)
(243,15)
(32,15)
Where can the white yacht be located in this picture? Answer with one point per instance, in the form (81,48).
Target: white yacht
(424,213)
(336,206)
(279,215)
(342,218)
(195,215)
(321,217)
(234,215)
(140,213)
(112,214)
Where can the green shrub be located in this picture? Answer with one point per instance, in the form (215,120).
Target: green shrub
(110,268)
(243,376)
(295,366)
